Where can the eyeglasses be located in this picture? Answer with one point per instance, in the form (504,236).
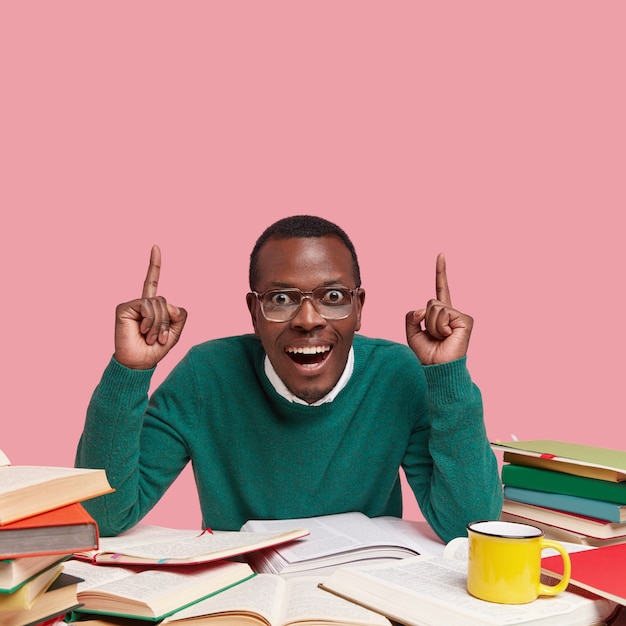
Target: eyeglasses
(282,305)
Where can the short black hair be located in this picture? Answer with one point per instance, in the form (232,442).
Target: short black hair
(301,226)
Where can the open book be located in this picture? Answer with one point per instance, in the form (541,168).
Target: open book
(343,538)
(268,600)
(147,544)
(27,490)
(150,594)
(430,590)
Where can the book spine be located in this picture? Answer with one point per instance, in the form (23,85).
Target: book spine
(566,484)
(597,509)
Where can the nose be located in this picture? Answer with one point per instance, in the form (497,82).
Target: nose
(307,316)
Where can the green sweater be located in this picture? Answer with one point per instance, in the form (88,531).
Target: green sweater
(255,455)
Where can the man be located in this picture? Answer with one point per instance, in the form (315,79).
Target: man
(304,417)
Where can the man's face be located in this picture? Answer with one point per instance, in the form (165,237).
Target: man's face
(306,263)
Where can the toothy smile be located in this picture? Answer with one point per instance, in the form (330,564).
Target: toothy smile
(307,355)
(308,349)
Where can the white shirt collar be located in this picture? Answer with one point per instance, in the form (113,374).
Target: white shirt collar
(281,388)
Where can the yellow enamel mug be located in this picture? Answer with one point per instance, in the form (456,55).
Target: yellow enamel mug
(505,562)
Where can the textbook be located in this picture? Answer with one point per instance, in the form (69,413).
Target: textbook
(57,601)
(592,527)
(147,544)
(268,600)
(340,539)
(552,481)
(60,531)
(27,490)
(601,571)
(16,572)
(562,534)
(431,590)
(571,458)
(28,593)
(607,511)
(150,594)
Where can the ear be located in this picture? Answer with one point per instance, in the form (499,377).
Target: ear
(251,301)
(360,300)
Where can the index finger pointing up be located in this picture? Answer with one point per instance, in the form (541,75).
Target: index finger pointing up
(151,283)
(441,281)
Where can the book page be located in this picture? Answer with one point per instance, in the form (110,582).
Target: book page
(281,603)
(155,544)
(198,546)
(146,533)
(434,588)
(93,575)
(149,585)
(260,595)
(144,588)
(14,477)
(4,459)
(417,535)
(329,535)
(306,601)
(138,535)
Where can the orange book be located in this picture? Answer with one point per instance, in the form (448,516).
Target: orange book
(64,530)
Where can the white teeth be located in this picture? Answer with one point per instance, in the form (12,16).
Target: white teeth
(309,349)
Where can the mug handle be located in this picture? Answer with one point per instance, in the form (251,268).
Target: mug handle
(553,590)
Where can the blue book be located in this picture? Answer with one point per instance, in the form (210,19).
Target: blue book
(598,509)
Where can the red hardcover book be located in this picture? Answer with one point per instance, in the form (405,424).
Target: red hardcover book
(599,570)
(64,530)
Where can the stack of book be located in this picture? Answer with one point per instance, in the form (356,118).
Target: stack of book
(573,492)
(42,524)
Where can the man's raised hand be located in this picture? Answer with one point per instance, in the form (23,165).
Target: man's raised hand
(146,329)
(439,333)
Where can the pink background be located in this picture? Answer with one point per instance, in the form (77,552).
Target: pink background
(492,131)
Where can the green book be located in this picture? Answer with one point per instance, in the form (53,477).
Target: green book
(598,509)
(566,484)
(151,594)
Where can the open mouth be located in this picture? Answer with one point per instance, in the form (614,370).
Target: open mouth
(308,355)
